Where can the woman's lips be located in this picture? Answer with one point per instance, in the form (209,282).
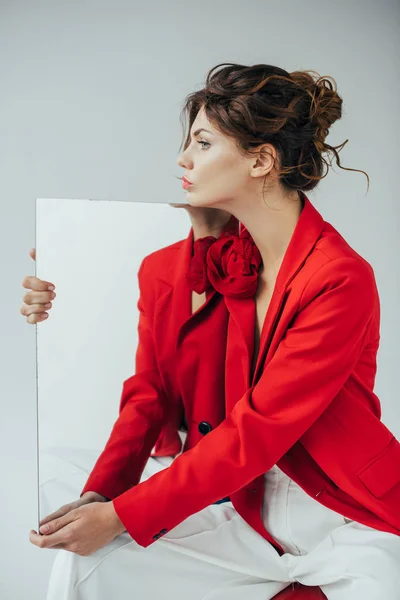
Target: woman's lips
(186,183)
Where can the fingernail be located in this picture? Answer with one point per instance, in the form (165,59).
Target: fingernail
(51,287)
(44,528)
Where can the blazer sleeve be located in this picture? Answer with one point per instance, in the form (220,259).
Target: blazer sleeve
(311,364)
(142,412)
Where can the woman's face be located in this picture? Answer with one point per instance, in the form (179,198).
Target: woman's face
(213,164)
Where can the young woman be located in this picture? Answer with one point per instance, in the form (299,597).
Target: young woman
(311,472)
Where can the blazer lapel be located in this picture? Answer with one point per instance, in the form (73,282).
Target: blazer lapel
(177,301)
(243,311)
(175,306)
(181,306)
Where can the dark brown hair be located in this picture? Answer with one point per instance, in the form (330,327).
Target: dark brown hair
(263,104)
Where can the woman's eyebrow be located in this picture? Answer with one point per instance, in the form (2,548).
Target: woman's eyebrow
(201,129)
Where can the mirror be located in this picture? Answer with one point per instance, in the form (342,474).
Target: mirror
(92,251)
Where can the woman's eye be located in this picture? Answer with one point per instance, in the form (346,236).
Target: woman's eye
(201,142)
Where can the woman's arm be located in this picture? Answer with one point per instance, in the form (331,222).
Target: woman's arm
(144,407)
(142,414)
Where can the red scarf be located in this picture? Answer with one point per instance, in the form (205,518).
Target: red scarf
(229,264)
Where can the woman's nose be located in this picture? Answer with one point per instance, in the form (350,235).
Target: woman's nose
(180,161)
(183,159)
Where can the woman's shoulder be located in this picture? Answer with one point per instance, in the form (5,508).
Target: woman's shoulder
(161,262)
(334,263)
(331,247)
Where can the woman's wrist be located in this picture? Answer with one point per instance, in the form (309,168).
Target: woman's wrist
(95,496)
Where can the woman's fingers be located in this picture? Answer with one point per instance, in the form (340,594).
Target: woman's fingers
(66,508)
(40,297)
(37,318)
(34,312)
(31,282)
(56,514)
(36,302)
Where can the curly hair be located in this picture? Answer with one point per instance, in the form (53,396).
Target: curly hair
(263,104)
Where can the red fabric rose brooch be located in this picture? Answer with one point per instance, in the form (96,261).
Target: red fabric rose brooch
(229,264)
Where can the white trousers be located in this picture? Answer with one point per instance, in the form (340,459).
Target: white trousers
(215,555)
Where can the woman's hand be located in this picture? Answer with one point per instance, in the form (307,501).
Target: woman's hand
(82,530)
(86,498)
(36,303)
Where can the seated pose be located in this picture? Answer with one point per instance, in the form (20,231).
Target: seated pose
(287,474)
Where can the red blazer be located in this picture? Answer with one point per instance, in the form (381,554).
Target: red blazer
(309,408)
(171,380)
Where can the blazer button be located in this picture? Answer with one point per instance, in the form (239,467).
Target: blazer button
(204,427)
(159,534)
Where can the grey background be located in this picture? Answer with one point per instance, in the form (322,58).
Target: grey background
(89,108)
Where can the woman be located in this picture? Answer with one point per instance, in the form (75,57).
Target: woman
(312,473)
